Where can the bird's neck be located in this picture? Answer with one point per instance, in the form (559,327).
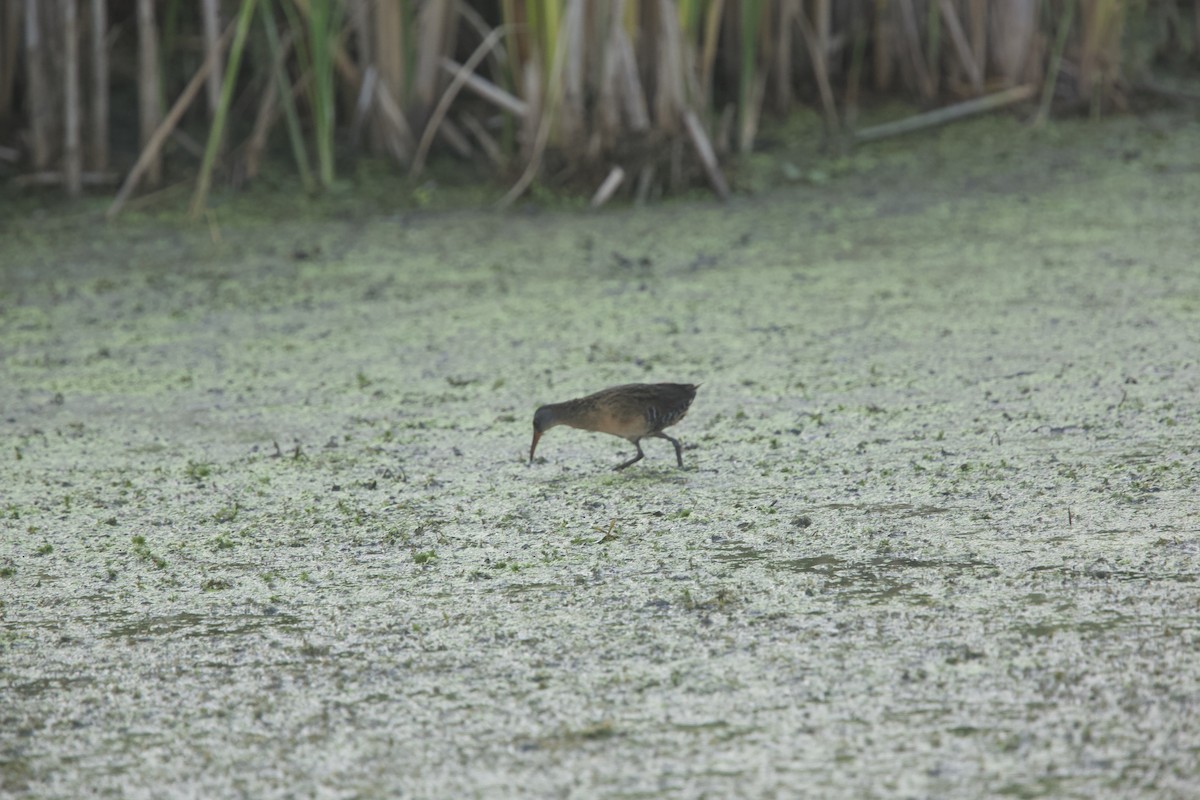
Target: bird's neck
(573,413)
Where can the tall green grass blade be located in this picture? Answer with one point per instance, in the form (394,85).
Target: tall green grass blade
(322,42)
(299,36)
(1060,43)
(748,78)
(545,19)
(691,12)
(295,135)
(200,198)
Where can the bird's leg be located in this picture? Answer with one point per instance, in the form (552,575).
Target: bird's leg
(674,441)
(635,459)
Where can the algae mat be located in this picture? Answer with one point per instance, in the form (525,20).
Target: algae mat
(268,529)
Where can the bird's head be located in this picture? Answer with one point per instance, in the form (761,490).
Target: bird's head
(543,420)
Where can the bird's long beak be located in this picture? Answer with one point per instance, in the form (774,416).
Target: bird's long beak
(536,435)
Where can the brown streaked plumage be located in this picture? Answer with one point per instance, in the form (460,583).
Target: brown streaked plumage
(633,411)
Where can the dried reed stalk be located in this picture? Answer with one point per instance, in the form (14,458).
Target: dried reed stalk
(947,114)
(1102,22)
(818,51)
(858,35)
(978,33)
(210,17)
(268,107)
(152,151)
(434,31)
(787,10)
(884,47)
(607,121)
(1014,25)
(670,96)
(546,108)
(99,41)
(516,42)
(925,82)
(362,23)
(149,110)
(363,103)
(398,135)
(608,188)
(637,109)
(73,114)
(571,124)
(450,133)
(72,151)
(10,48)
(962,48)
(823,19)
(443,106)
(489,91)
(38,84)
(388,57)
(471,19)
(933,43)
(487,142)
(704,149)
(645,184)
(532,86)
(749,77)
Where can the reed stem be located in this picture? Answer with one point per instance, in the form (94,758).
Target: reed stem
(216,131)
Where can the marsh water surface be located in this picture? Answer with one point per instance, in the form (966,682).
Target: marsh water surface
(269,529)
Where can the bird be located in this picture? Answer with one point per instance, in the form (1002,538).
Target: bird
(633,411)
